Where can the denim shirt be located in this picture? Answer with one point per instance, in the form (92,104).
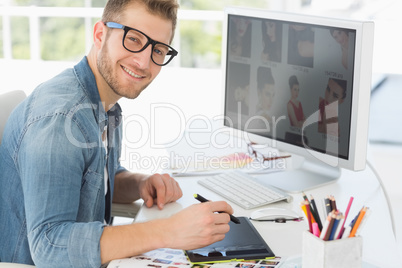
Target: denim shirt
(52,161)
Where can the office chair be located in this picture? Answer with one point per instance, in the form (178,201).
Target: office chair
(8,101)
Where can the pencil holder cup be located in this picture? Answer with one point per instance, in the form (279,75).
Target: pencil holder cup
(335,253)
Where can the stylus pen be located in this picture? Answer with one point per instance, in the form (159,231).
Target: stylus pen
(280,220)
(203,199)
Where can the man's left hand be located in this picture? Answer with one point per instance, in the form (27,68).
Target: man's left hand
(159,189)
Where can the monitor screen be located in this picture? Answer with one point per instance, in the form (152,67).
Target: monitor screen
(299,83)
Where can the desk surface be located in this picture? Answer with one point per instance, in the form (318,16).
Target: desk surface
(285,239)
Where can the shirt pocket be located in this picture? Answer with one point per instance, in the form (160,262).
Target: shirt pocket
(92,200)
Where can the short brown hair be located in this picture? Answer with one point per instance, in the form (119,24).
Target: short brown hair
(166,9)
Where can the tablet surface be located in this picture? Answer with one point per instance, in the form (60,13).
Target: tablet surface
(242,242)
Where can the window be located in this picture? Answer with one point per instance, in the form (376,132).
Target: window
(35,35)
(47,30)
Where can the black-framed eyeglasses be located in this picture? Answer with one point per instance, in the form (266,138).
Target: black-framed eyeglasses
(259,156)
(136,41)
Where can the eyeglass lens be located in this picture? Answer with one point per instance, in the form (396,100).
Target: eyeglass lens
(256,154)
(135,42)
(260,157)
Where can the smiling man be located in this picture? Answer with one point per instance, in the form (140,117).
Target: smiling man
(59,167)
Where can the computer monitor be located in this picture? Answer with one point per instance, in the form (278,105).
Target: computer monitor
(301,84)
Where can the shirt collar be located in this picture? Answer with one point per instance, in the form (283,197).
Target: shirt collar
(87,80)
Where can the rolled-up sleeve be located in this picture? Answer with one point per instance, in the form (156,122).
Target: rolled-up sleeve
(82,247)
(90,234)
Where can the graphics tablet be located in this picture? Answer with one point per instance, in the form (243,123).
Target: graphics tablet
(242,242)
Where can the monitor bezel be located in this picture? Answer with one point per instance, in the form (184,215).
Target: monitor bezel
(361,84)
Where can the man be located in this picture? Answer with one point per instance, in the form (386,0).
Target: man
(59,167)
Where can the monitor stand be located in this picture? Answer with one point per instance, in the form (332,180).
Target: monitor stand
(307,176)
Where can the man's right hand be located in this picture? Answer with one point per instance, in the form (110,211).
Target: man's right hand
(198,225)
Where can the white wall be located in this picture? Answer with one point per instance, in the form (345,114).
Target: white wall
(178,98)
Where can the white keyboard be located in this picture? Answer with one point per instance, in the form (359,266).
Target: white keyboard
(243,190)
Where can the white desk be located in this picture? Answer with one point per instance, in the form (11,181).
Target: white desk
(285,239)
